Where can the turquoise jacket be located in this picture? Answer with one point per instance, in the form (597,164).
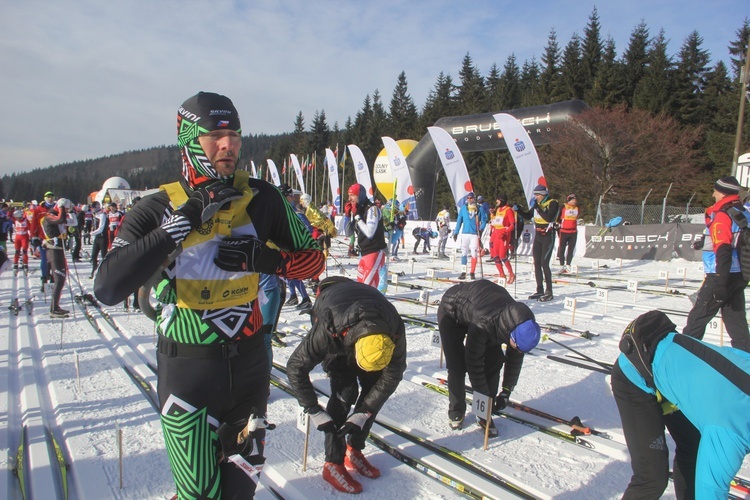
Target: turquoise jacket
(711,385)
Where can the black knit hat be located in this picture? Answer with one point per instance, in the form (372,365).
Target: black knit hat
(640,338)
(727,185)
(502,197)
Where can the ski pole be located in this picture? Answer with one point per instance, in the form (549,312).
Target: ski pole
(603,365)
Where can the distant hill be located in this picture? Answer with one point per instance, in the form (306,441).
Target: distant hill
(144,169)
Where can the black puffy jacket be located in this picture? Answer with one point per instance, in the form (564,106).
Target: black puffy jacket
(489,313)
(344,312)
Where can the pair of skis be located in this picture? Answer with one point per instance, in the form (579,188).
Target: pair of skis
(20,466)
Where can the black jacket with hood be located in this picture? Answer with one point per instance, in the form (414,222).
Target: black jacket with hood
(490,314)
(344,312)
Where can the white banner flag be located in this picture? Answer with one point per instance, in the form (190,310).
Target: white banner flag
(274,172)
(361,170)
(298,171)
(523,152)
(255,172)
(453,164)
(333,177)
(404,186)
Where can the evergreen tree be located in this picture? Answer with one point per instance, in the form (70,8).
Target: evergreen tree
(471,95)
(494,88)
(738,48)
(635,60)
(653,92)
(690,80)
(510,85)
(607,90)
(591,52)
(320,137)
(402,113)
(550,77)
(299,136)
(440,101)
(572,70)
(531,89)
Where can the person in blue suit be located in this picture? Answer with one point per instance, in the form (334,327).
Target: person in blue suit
(700,392)
(469,226)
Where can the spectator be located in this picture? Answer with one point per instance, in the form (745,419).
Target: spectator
(723,289)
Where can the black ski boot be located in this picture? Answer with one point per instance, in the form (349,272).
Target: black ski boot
(462,276)
(546,297)
(536,295)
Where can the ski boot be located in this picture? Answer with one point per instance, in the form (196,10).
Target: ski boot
(15,269)
(355,460)
(337,476)
(535,296)
(546,297)
(511,278)
(456,423)
(482,424)
(472,276)
(462,276)
(292,301)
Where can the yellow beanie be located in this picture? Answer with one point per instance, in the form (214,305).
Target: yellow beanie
(374,352)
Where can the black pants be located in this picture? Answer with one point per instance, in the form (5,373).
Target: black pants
(76,245)
(99,246)
(59,268)
(202,393)
(567,241)
(452,336)
(643,424)
(425,247)
(345,388)
(732,311)
(542,252)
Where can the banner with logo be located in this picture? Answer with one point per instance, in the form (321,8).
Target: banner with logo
(361,170)
(523,152)
(453,164)
(274,172)
(404,187)
(298,171)
(252,166)
(644,242)
(333,178)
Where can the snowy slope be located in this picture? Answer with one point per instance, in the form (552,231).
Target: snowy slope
(84,396)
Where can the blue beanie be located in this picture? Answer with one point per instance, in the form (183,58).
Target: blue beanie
(526,335)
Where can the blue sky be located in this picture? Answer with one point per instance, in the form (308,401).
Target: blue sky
(83,79)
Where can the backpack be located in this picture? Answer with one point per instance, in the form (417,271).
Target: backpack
(741,239)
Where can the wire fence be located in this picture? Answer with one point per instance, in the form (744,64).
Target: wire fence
(649,214)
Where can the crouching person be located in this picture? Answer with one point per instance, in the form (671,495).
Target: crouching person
(698,391)
(359,338)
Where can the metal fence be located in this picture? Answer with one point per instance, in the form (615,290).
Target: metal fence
(649,214)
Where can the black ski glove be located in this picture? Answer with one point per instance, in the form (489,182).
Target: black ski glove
(720,294)
(455,237)
(501,401)
(206,201)
(354,423)
(247,254)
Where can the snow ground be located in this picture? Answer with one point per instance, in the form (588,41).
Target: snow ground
(88,397)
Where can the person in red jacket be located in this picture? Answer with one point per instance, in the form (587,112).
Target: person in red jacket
(21,242)
(723,289)
(569,215)
(503,224)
